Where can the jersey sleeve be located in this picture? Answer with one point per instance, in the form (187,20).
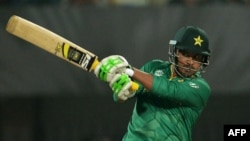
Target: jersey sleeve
(148,67)
(193,92)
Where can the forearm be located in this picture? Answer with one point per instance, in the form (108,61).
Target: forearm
(144,78)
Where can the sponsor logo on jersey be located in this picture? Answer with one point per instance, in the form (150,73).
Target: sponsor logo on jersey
(159,73)
(193,85)
(180,80)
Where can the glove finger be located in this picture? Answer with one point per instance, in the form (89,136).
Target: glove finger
(121,85)
(123,59)
(119,82)
(125,93)
(110,75)
(121,67)
(118,77)
(126,87)
(114,79)
(109,66)
(105,69)
(122,97)
(99,66)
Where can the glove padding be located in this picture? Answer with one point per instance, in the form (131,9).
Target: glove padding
(121,84)
(110,66)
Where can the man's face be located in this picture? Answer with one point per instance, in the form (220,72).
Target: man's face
(188,63)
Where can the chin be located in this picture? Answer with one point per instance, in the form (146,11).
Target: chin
(187,74)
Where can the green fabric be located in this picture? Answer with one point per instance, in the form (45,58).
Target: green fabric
(169,111)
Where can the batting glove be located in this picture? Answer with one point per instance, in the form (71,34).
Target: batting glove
(110,66)
(121,84)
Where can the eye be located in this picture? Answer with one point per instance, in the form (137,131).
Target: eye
(198,58)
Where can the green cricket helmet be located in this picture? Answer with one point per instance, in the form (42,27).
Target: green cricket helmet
(191,39)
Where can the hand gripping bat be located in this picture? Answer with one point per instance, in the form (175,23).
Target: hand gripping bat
(54,44)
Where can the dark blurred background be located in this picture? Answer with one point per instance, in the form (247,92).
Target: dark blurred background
(43,98)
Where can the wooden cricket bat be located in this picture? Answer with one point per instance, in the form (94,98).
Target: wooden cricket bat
(54,44)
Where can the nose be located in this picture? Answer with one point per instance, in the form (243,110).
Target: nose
(190,61)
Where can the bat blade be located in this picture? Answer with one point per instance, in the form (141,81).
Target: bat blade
(54,44)
(51,42)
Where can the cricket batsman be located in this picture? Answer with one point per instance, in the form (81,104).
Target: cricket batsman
(172,94)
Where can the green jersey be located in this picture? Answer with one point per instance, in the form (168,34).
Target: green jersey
(169,111)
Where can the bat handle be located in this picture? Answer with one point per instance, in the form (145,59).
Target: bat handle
(95,63)
(134,86)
